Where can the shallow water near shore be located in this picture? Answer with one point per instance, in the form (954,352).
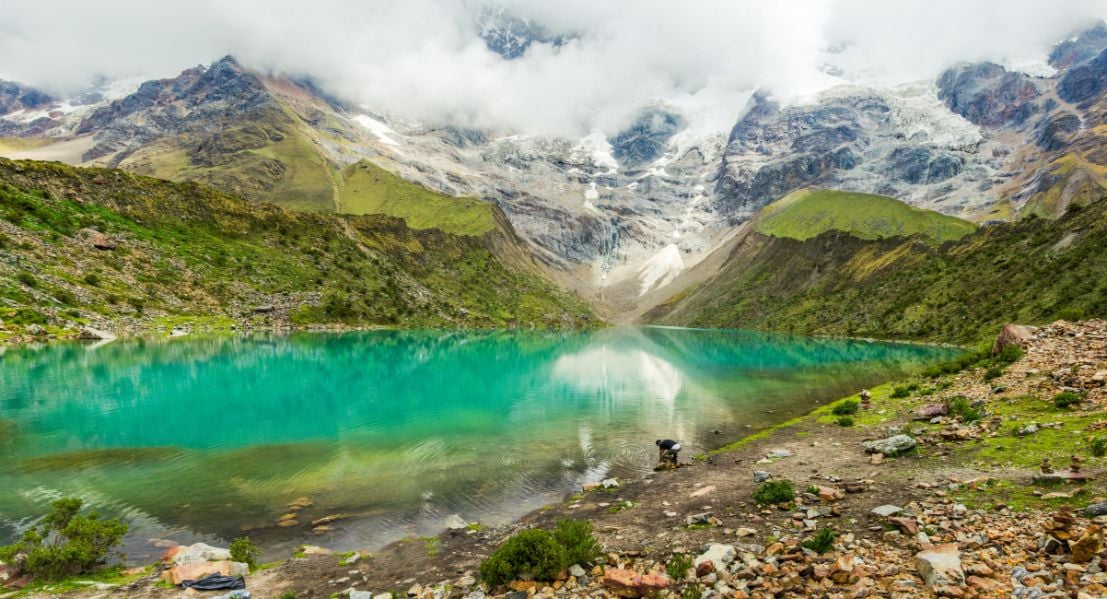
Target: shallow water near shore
(210,438)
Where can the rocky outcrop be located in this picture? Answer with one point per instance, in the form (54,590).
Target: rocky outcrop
(1014,334)
(988,94)
(1084,82)
(645,139)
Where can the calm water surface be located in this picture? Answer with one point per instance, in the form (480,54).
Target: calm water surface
(204,438)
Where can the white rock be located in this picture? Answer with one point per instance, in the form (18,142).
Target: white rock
(718,554)
(940,565)
(886,510)
(610,483)
(200,552)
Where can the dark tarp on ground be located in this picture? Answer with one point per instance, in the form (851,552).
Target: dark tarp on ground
(215,582)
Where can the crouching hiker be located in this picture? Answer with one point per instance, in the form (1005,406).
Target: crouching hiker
(667,451)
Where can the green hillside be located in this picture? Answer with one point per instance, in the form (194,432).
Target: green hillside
(1030,271)
(184,251)
(369,189)
(807,213)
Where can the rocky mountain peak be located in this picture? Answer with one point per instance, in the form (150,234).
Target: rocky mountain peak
(511,36)
(645,139)
(1080,48)
(16,96)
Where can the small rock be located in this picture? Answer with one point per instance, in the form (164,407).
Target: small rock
(779,453)
(760,476)
(884,511)
(610,483)
(576,570)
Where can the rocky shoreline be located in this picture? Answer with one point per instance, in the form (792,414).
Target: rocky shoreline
(960,484)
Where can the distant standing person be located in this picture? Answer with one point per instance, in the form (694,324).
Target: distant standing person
(667,450)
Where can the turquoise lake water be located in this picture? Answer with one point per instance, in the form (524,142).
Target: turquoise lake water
(207,438)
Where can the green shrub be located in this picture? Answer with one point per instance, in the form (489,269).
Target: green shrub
(534,552)
(774,491)
(575,536)
(1009,354)
(1067,398)
(27,279)
(844,408)
(1099,447)
(67,543)
(845,421)
(288,595)
(901,391)
(993,373)
(678,566)
(694,591)
(961,407)
(92,279)
(242,550)
(822,542)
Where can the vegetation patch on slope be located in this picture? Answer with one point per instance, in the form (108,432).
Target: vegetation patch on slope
(1034,270)
(806,213)
(369,189)
(100,245)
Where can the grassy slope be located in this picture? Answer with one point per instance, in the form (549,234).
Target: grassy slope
(806,213)
(369,189)
(1032,271)
(187,250)
(267,159)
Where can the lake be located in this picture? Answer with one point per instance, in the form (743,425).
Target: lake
(208,438)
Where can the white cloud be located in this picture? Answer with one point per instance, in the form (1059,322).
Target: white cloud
(423,58)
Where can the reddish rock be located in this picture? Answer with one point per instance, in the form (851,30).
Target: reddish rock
(178,574)
(907,525)
(704,568)
(628,583)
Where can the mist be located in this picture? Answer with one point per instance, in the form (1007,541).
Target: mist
(425,59)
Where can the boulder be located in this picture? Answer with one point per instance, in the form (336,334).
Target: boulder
(701,518)
(940,565)
(718,554)
(931,410)
(890,446)
(96,239)
(1014,334)
(1096,509)
(197,570)
(190,554)
(1087,546)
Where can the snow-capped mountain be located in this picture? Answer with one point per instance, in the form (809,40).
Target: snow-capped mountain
(618,213)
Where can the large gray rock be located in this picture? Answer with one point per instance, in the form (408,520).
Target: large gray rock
(1096,509)
(940,565)
(890,446)
(886,510)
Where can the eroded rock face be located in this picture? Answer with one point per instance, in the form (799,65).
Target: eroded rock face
(1086,81)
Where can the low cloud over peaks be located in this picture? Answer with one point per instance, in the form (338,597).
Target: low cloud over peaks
(531,66)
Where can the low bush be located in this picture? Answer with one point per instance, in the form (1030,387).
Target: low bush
(678,566)
(541,554)
(774,491)
(993,373)
(901,391)
(845,421)
(845,408)
(961,407)
(242,550)
(534,553)
(822,542)
(1067,398)
(67,542)
(575,536)
(1099,447)
(1009,354)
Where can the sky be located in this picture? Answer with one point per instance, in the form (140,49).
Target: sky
(424,59)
